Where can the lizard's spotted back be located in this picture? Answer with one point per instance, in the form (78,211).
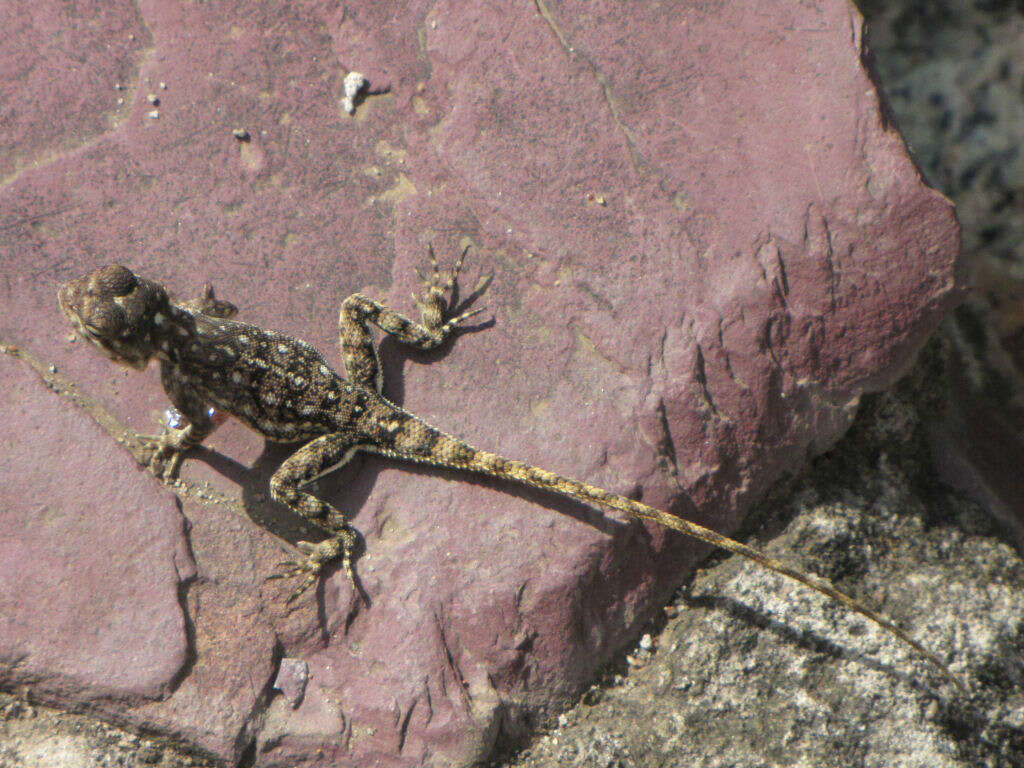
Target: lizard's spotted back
(279,386)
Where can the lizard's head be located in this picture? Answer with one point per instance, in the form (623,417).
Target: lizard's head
(117,311)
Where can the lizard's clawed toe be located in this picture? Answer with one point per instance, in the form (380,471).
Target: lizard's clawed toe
(167,467)
(286,569)
(465,316)
(160,456)
(433,285)
(290,569)
(318,556)
(305,584)
(440,295)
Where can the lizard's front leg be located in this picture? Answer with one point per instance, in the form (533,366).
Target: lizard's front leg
(163,452)
(316,458)
(362,367)
(208,304)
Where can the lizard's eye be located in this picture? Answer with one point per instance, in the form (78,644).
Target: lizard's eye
(106,321)
(115,280)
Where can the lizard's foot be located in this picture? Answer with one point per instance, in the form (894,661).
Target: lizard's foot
(434,285)
(162,453)
(439,293)
(318,557)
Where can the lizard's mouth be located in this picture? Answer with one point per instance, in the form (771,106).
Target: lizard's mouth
(116,355)
(111,352)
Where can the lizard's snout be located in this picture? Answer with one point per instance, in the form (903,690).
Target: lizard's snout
(68,300)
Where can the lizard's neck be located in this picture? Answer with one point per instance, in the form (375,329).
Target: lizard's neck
(173,329)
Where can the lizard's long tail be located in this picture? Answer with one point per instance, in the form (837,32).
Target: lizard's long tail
(442,450)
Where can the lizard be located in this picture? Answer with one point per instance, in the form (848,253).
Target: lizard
(284,389)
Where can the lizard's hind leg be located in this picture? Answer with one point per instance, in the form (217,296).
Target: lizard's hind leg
(316,458)
(362,366)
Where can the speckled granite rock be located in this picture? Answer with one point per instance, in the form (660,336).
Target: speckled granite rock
(706,245)
(954,74)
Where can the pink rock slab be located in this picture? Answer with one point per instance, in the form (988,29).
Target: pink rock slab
(706,244)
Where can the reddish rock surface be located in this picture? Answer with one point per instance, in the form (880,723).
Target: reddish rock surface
(89,563)
(706,243)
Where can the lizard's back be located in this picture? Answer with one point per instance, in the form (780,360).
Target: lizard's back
(278,385)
